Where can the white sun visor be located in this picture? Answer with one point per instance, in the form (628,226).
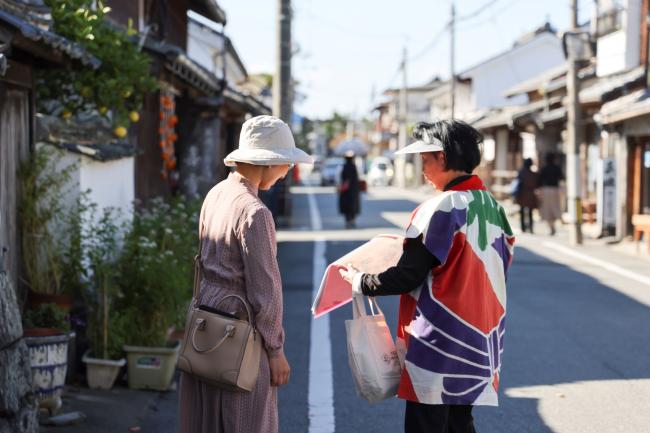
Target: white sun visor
(422,147)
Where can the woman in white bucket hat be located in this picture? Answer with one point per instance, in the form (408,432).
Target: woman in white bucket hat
(238,257)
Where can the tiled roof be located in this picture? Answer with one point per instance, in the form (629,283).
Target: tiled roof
(52,40)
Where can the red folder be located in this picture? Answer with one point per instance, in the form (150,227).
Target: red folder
(375,256)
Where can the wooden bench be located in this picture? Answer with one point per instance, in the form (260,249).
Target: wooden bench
(641,224)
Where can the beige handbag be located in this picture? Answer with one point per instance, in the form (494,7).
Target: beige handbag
(219,348)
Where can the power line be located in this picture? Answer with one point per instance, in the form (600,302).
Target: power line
(306,14)
(489,20)
(478,11)
(431,44)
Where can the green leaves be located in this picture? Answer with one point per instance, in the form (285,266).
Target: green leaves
(156,268)
(124,69)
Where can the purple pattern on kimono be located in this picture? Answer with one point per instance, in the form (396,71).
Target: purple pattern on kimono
(446,224)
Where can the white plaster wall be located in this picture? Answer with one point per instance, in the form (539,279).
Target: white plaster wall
(111,182)
(620,50)
(491,79)
(204,46)
(611,53)
(440,103)
(632,25)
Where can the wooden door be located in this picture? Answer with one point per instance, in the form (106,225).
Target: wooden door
(14,147)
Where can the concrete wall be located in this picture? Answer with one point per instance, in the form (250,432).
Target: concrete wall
(492,78)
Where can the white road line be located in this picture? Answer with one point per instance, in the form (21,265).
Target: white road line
(321,388)
(600,263)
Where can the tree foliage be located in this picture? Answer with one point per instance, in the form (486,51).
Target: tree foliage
(117,88)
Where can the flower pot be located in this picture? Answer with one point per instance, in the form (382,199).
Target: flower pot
(151,367)
(101,373)
(48,356)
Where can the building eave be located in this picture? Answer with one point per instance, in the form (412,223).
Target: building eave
(49,39)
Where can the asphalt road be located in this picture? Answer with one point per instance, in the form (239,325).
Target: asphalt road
(576,352)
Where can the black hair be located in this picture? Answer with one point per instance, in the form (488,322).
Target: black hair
(528,162)
(461,142)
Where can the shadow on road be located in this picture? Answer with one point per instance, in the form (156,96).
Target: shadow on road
(571,341)
(563,327)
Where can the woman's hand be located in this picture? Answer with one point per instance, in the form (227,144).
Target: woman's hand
(348,273)
(280,370)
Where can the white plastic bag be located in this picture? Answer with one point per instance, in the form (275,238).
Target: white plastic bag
(371,352)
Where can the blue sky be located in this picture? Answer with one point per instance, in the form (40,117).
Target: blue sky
(348,47)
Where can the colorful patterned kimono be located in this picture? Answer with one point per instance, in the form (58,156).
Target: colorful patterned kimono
(452,327)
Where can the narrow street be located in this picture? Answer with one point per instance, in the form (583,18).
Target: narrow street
(576,346)
(576,341)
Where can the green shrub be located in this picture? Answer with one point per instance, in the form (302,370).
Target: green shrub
(47,316)
(156,269)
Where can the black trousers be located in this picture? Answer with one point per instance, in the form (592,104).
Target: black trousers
(523,213)
(438,418)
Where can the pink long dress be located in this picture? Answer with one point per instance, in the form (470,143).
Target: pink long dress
(239,257)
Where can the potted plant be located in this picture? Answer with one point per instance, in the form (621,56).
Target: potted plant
(44,231)
(47,334)
(42,225)
(156,273)
(105,326)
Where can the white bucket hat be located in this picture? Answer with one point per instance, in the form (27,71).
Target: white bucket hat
(266,140)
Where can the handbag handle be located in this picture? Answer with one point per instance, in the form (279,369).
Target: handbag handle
(359,308)
(200,323)
(244,303)
(197,265)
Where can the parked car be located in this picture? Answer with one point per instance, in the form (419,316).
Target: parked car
(381,172)
(331,171)
(318,163)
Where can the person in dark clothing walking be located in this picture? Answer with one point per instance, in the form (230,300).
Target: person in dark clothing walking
(526,196)
(549,184)
(452,280)
(350,191)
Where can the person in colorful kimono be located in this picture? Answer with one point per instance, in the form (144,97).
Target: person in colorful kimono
(452,281)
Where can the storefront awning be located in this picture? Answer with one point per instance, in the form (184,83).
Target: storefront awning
(626,107)
(597,91)
(495,118)
(248,102)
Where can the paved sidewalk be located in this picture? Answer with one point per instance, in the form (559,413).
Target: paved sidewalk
(119,410)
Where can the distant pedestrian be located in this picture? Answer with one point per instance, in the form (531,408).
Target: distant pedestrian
(350,191)
(526,196)
(238,257)
(452,281)
(549,184)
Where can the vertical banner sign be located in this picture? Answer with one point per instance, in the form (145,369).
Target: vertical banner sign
(607,195)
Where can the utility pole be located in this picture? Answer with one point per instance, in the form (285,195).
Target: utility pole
(574,129)
(282,102)
(452,29)
(403,120)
